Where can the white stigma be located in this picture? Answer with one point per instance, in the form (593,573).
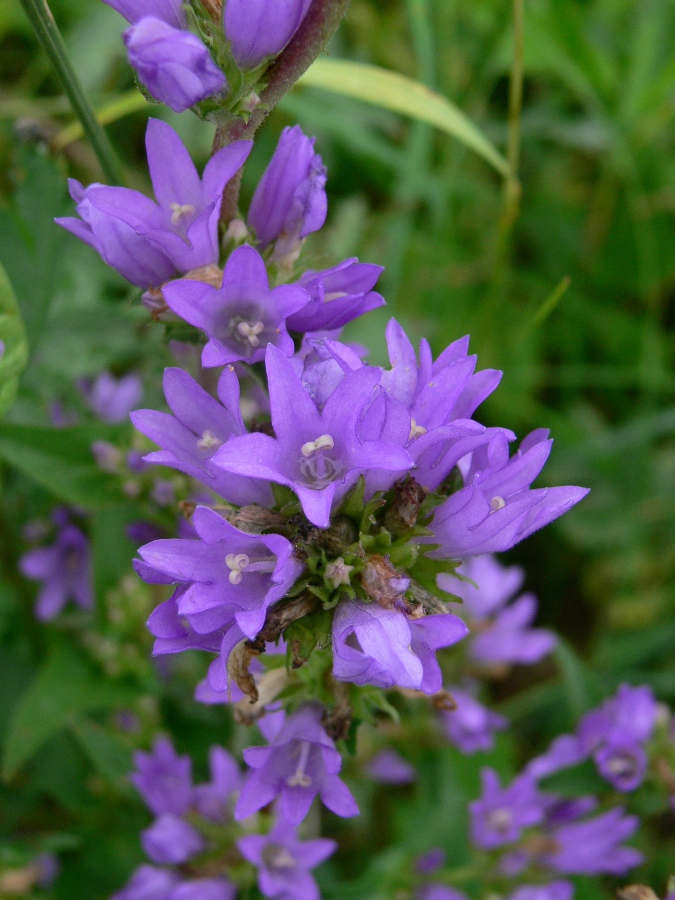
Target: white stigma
(299,778)
(178,210)
(336,295)
(251,332)
(209,441)
(497,503)
(416,430)
(500,820)
(324,442)
(236,562)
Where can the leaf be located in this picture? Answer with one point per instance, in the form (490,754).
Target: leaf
(61,460)
(107,753)
(396,92)
(61,691)
(13,344)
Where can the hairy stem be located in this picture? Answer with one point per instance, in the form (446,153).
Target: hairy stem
(311,38)
(52,43)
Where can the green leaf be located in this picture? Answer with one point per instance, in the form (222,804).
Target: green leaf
(394,91)
(62,462)
(14,346)
(107,753)
(61,691)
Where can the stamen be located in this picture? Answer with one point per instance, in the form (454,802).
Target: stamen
(209,441)
(497,503)
(178,210)
(415,430)
(251,332)
(236,562)
(500,820)
(299,778)
(324,442)
(336,295)
(275,856)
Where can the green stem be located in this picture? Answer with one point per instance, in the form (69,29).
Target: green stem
(51,41)
(310,40)
(512,184)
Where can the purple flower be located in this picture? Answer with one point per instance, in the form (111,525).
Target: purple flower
(244,316)
(213,800)
(199,426)
(494,585)
(231,576)
(471,725)
(300,763)
(259,29)
(501,814)
(622,763)
(284,862)
(112,399)
(171,839)
(170,11)
(496,509)
(439,892)
(382,647)
(290,200)
(554,890)
(337,296)
(389,767)
(204,889)
(148,242)
(174,65)
(65,570)
(164,779)
(317,454)
(510,639)
(148,883)
(566,750)
(592,847)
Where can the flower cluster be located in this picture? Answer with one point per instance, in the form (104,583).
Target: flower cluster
(177,66)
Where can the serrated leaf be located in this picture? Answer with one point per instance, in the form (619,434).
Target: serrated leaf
(13,344)
(62,462)
(62,690)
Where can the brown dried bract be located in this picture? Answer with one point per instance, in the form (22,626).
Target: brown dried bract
(443,701)
(382,581)
(254,519)
(211,274)
(283,614)
(636,892)
(402,514)
(237,668)
(338,722)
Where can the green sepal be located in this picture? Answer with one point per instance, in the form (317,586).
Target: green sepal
(284,499)
(404,554)
(368,701)
(305,635)
(354,502)
(426,570)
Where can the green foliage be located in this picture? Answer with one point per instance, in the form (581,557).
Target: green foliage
(14,344)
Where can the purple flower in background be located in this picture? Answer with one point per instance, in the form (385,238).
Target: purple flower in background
(494,585)
(64,568)
(230,575)
(148,883)
(259,29)
(566,750)
(591,847)
(284,862)
(439,892)
(317,454)
(173,65)
(554,890)
(337,296)
(389,767)
(374,645)
(199,426)
(147,242)
(496,509)
(501,814)
(171,840)
(471,726)
(290,200)
(300,763)
(204,889)
(214,799)
(164,779)
(244,316)
(112,399)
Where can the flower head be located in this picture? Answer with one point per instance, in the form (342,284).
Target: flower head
(501,814)
(591,847)
(112,399)
(470,725)
(164,779)
(171,840)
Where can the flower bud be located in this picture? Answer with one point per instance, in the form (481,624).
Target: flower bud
(259,29)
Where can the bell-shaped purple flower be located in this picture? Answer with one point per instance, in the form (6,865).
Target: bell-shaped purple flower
(496,509)
(592,847)
(198,427)
(382,647)
(260,29)
(501,814)
(298,765)
(170,11)
(148,883)
(471,726)
(171,840)
(244,315)
(337,296)
(389,767)
(290,200)
(489,585)
(214,800)
(147,242)
(64,570)
(231,576)
(284,862)
(317,454)
(554,890)
(164,779)
(112,399)
(174,65)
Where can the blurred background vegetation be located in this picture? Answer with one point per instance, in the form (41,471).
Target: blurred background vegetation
(574,298)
